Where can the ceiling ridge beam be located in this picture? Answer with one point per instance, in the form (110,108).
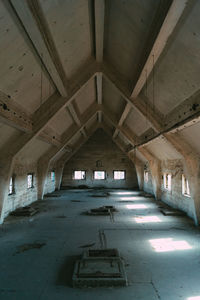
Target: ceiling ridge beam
(99,92)
(99,11)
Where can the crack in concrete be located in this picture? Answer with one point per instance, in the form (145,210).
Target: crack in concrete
(155,289)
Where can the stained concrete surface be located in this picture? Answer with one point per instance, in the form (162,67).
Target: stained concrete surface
(45,272)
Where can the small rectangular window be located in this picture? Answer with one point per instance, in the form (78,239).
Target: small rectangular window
(52,176)
(119,175)
(30,181)
(79,175)
(146,176)
(11,186)
(185,186)
(99,175)
(167,181)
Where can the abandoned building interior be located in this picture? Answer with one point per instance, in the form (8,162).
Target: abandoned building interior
(99,149)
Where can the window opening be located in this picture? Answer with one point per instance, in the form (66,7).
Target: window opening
(185,186)
(99,175)
(52,175)
(11,186)
(146,176)
(167,181)
(79,175)
(119,175)
(30,181)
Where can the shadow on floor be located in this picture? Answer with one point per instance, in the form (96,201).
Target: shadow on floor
(66,271)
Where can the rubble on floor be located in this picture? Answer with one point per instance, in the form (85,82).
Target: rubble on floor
(49,195)
(171,212)
(102,211)
(26,211)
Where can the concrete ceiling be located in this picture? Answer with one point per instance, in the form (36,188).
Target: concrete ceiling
(68,67)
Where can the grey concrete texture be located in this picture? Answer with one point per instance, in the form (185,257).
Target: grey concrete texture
(100,150)
(37,254)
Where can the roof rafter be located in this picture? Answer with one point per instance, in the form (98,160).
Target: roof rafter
(48,110)
(35,26)
(171,19)
(68,135)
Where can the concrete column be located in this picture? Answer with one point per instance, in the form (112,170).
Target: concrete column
(139,167)
(155,167)
(191,169)
(42,170)
(192,172)
(59,172)
(6,168)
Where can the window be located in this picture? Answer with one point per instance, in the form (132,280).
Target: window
(79,175)
(185,186)
(52,176)
(119,175)
(167,181)
(99,175)
(11,186)
(146,176)
(30,181)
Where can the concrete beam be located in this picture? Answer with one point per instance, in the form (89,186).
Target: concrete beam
(172,18)
(99,88)
(127,132)
(155,166)
(45,160)
(99,8)
(62,161)
(192,169)
(47,111)
(33,21)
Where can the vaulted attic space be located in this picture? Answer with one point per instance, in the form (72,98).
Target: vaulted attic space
(99,149)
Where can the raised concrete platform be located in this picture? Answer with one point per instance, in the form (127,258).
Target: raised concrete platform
(101,271)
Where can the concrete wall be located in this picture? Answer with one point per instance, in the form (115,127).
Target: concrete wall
(49,186)
(22,195)
(100,147)
(174,198)
(148,186)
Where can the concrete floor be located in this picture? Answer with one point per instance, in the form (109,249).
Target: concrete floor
(156,269)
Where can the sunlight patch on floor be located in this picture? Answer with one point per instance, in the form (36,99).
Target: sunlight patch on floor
(168,244)
(147,219)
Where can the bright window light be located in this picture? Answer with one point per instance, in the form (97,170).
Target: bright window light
(79,175)
(119,175)
(146,176)
(122,193)
(147,219)
(99,175)
(52,176)
(194,298)
(167,178)
(167,244)
(30,181)
(185,186)
(11,186)
(127,198)
(136,206)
